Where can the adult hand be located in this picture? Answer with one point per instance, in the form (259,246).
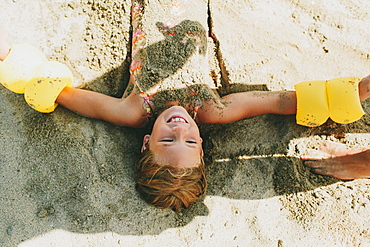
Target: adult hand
(336,160)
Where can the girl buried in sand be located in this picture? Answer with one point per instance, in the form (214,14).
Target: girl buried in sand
(171,172)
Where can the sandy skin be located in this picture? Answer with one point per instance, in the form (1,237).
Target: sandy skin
(336,160)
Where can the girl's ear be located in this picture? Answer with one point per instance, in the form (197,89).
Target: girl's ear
(145,143)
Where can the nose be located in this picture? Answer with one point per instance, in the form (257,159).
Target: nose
(179,129)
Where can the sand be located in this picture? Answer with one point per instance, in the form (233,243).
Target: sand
(67,180)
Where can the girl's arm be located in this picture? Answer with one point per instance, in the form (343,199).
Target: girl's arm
(126,111)
(247,104)
(122,111)
(250,104)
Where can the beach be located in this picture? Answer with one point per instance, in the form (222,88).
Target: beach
(68,180)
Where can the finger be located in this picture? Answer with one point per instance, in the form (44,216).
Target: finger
(313,154)
(334,174)
(313,164)
(320,171)
(333,147)
(337,149)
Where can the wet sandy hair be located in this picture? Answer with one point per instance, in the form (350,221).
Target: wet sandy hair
(165,186)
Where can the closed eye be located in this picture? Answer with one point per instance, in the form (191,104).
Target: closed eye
(167,140)
(193,142)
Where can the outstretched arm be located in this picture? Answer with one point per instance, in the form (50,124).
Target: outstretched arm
(125,111)
(122,111)
(247,104)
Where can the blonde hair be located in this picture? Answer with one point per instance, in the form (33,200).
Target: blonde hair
(165,186)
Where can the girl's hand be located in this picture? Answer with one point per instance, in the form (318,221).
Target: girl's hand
(364,88)
(4,43)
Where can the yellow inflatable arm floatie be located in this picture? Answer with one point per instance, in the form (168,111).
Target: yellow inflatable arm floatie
(344,100)
(19,66)
(46,84)
(337,98)
(312,103)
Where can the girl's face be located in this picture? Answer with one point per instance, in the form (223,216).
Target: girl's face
(175,139)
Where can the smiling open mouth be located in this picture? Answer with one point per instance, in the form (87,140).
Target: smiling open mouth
(177,119)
